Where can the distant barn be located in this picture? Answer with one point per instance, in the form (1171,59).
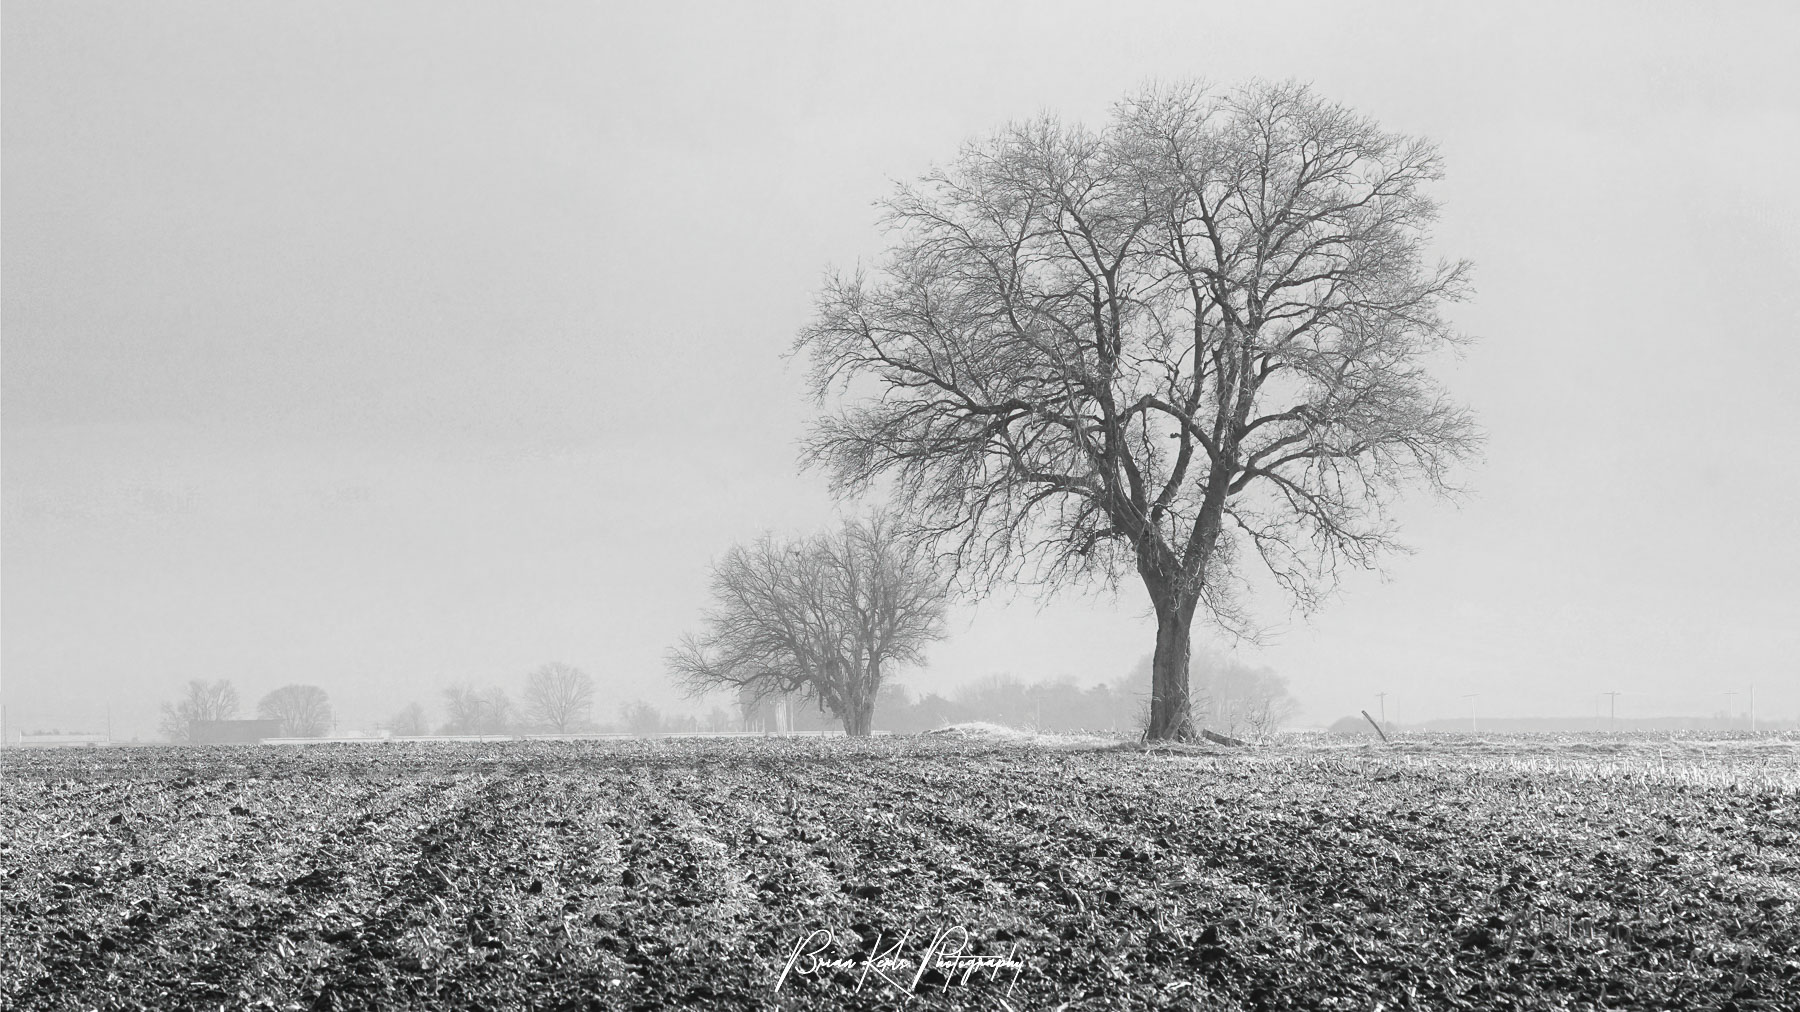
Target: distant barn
(233,732)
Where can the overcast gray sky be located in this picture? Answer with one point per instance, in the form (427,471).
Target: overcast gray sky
(387,345)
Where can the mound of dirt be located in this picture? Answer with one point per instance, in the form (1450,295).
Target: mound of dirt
(981,729)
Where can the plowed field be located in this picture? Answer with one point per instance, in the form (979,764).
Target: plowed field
(824,874)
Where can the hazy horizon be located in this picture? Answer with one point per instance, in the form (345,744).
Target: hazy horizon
(386,347)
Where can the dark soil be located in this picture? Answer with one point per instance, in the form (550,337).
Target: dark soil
(693,874)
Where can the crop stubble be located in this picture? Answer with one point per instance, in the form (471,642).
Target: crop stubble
(1440,873)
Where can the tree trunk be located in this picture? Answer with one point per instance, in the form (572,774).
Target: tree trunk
(1171,717)
(859,717)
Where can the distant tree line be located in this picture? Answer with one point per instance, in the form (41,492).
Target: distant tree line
(1229,696)
(1056,705)
(556,698)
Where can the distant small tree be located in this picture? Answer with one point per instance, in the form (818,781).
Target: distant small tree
(204,701)
(1232,697)
(1242,701)
(640,717)
(409,722)
(758,711)
(826,618)
(487,711)
(899,711)
(558,697)
(304,710)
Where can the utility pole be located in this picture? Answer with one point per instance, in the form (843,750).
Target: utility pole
(1382,696)
(1612,712)
(1471,698)
(1728,694)
(1752,707)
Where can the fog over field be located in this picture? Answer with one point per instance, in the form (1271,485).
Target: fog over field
(389,347)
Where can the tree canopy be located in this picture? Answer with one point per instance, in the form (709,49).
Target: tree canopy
(304,710)
(1194,337)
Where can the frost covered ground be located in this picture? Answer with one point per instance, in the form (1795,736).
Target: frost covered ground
(978,869)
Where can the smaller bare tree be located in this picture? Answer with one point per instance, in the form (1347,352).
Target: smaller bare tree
(409,722)
(487,711)
(826,618)
(204,701)
(1242,701)
(760,711)
(558,697)
(1230,696)
(640,717)
(304,710)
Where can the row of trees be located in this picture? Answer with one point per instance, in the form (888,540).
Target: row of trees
(304,711)
(1234,698)
(556,698)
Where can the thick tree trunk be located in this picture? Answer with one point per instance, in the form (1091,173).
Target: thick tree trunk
(1171,717)
(859,718)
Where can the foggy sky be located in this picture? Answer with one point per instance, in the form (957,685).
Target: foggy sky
(384,346)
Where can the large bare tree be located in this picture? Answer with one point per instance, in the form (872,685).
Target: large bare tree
(559,697)
(826,618)
(1194,337)
(205,701)
(304,710)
